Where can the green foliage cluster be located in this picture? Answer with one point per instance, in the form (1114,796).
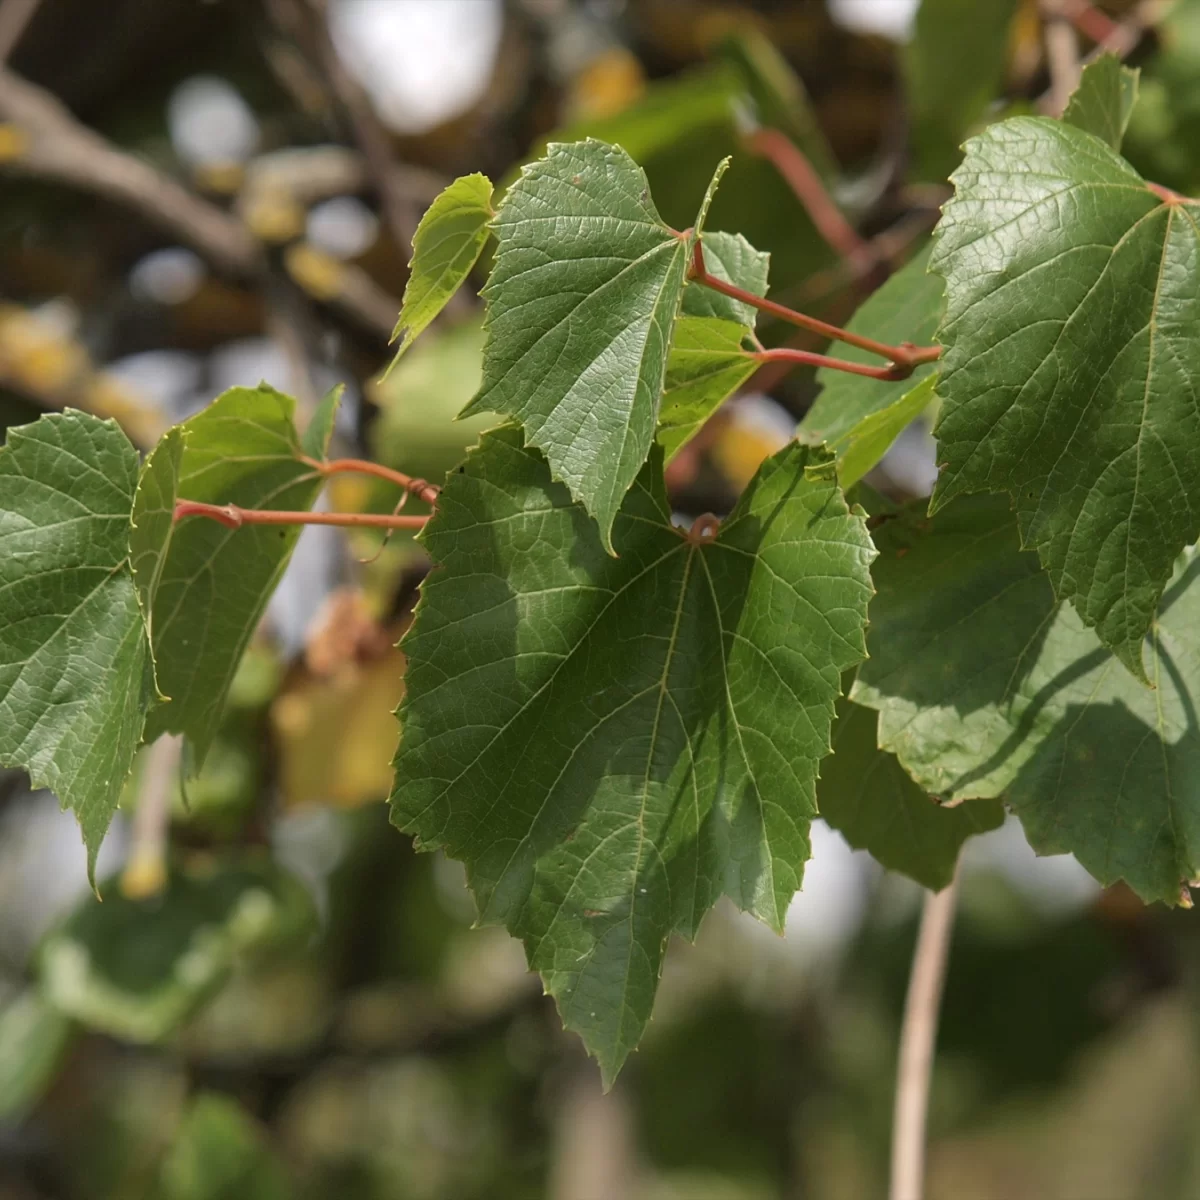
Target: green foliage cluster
(612,719)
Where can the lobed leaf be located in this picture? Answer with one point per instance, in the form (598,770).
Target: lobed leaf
(1070,377)
(447,244)
(75,679)
(581,304)
(867,796)
(863,447)
(611,743)
(207,590)
(1103,102)
(988,687)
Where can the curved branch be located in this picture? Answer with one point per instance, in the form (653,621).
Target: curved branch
(918,1037)
(56,146)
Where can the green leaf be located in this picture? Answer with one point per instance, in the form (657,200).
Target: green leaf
(707,365)
(907,308)
(987,687)
(1103,102)
(212,586)
(860,449)
(220,1153)
(580,307)
(152,521)
(731,259)
(75,678)
(137,969)
(318,433)
(416,431)
(611,743)
(1070,376)
(36,1038)
(448,241)
(953,68)
(866,795)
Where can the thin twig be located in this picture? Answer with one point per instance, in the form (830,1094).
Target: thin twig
(1130,30)
(53,145)
(918,1037)
(421,488)
(806,358)
(308,19)
(901,359)
(1062,56)
(233,516)
(58,147)
(145,871)
(1093,24)
(15,16)
(808,187)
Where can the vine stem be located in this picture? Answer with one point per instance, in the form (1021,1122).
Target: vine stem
(234,517)
(785,354)
(792,164)
(918,1037)
(421,488)
(904,355)
(145,872)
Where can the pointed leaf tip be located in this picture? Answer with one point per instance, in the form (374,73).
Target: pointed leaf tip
(581,305)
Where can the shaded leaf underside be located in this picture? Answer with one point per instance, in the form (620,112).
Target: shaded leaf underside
(867,796)
(986,686)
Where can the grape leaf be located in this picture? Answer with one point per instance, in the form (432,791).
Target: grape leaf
(986,686)
(850,410)
(75,678)
(1070,377)
(953,69)
(611,743)
(318,433)
(138,968)
(152,521)
(707,365)
(860,449)
(866,795)
(1103,102)
(581,303)
(212,584)
(447,244)
(731,259)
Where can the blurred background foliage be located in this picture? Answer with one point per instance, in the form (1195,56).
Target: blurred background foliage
(277,997)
